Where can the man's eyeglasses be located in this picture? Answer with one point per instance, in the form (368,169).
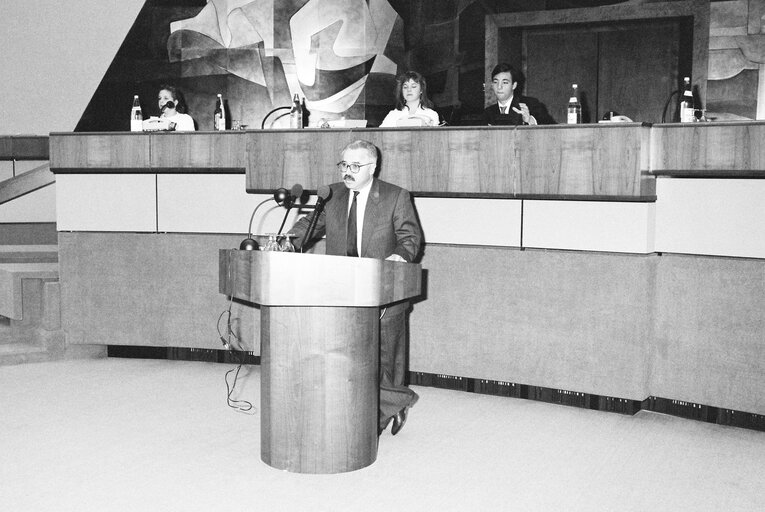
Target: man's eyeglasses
(353,166)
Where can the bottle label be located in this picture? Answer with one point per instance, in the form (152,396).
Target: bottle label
(296,120)
(686,114)
(572,118)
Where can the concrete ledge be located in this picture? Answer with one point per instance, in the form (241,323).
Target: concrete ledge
(11,276)
(28,253)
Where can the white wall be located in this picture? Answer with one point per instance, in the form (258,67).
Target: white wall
(54,54)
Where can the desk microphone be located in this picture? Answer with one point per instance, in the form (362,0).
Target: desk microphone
(169,105)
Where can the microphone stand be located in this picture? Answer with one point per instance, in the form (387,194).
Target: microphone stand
(311,225)
(249,243)
(324,194)
(289,206)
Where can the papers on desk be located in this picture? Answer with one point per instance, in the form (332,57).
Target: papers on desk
(347,123)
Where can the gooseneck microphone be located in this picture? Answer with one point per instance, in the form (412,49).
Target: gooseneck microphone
(324,194)
(282,197)
(169,105)
(249,243)
(295,193)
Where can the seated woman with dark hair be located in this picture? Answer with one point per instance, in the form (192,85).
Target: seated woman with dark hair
(172,108)
(413,108)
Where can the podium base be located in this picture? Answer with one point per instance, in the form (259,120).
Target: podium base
(319,387)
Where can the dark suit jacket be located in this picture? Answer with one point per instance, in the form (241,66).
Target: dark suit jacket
(390,223)
(494,117)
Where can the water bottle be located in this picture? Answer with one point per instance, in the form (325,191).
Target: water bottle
(136,116)
(574,107)
(687,108)
(296,114)
(219,117)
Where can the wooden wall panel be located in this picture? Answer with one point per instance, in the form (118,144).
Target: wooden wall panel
(283,158)
(101,150)
(595,160)
(23,147)
(632,84)
(551,67)
(6,148)
(703,149)
(199,150)
(599,160)
(578,161)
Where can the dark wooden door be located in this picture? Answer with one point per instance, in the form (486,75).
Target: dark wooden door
(628,67)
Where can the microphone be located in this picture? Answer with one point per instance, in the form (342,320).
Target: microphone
(324,194)
(169,105)
(295,193)
(281,196)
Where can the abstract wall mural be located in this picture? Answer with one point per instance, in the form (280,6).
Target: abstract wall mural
(326,56)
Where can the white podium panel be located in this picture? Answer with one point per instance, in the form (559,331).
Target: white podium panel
(589,226)
(106,202)
(494,222)
(721,217)
(215,203)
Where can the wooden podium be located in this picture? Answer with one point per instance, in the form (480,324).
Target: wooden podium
(319,336)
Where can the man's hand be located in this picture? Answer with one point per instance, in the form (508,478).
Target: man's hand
(524,112)
(395,257)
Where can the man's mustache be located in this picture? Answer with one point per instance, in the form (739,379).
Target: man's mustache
(349,177)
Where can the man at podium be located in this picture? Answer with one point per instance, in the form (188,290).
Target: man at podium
(369,218)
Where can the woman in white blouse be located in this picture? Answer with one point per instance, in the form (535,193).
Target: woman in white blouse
(413,108)
(172,112)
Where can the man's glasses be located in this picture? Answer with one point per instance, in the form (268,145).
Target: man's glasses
(353,166)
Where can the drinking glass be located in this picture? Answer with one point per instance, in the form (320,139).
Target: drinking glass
(286,245)
(272,244)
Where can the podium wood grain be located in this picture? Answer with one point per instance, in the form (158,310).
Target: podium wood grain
(319,388)
(320,329)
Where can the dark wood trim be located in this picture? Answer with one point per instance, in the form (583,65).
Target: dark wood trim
(24,147)
(717,174)
(150,170)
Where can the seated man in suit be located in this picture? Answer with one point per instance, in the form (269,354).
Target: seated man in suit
(376,220)
(512,108)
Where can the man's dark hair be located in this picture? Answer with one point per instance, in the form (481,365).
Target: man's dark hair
(515,73)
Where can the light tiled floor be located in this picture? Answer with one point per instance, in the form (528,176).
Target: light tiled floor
(144,435)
